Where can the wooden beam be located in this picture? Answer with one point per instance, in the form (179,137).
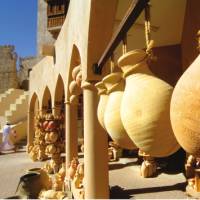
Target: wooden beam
(131,16)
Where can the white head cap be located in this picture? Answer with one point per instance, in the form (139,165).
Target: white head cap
(8,123)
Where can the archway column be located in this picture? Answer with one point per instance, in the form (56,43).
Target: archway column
(95,148)
(71,133)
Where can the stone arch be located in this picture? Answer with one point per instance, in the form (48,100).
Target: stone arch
(74,62)
(33,110)
(59,97)
(46,101)
(34,103)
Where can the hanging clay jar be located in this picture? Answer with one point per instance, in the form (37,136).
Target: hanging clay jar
(102,91)
(145,107)
(112,120)
(51,126)
(185,109)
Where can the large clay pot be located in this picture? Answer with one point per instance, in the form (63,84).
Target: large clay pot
(112,120)
(185,109)
(102,91)
(145,107)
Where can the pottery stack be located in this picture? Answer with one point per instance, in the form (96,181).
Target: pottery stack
(37,150)
(54,142)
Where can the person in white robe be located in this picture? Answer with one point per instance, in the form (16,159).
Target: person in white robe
(6,142)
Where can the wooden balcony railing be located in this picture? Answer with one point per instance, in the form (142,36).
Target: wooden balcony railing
(56,10)
(55,21)
(127,22)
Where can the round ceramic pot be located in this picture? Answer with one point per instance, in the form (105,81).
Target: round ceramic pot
(74,89)
(112,119)
(102,92)
(145,107)
(79,78)
(185,109)
(75,71)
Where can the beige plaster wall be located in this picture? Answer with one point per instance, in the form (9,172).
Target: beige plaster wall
(88,26)
(8,73)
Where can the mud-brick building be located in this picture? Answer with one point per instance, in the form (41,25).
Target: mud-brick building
(8,75)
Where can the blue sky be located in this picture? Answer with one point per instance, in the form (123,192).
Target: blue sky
(18,23)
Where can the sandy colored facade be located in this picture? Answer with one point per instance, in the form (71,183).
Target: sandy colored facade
(87,29)
(8,75)
(74,46)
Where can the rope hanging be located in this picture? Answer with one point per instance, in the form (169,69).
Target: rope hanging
(149,42)
(198,40)
(112,64)
(124,45)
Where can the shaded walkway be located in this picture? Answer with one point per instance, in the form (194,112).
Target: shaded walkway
(125,180)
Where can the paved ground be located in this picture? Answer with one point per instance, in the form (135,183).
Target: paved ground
(125,181)
(12,167)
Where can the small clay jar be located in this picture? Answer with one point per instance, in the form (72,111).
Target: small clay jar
(75,71)
(72,168)
(79,78)
(74,88)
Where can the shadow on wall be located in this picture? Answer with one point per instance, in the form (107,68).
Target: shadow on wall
(168,65)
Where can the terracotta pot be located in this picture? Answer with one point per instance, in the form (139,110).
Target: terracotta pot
(49,117)
(74,88)
(72,169)
(62,171)
(74,100)
(79,78)
(112,119)
(185,109)
(145,107)
(45,124)
(102,91)
(75,71)
(53,136)
(50,149)
(47,138)
(51,125)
